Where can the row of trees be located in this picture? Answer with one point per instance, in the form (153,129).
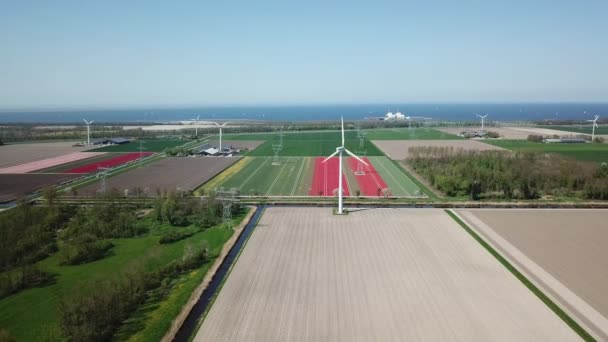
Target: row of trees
(502,174)
(180,210)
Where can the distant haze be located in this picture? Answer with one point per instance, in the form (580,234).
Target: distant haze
(99,54)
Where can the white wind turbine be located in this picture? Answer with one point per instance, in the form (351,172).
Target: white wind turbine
(196,125)
(339,150)
(482,117)
(220,127)
(594,126)
(88,123)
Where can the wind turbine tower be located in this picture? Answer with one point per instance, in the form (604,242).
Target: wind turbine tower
(593,127)
(220,127)
(482,120)
(339,151)
(196,125)
(88,123)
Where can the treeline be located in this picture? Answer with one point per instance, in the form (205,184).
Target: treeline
(30,233)
(180,210)
(97,314)
(504,174)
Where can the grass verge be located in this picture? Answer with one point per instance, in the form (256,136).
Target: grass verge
(535,290)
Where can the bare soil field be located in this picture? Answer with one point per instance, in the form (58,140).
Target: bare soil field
(308,275)
(398,149)
(50,162)
(180,173)
(516,133)
(568,245)
(24,153)
(13,186)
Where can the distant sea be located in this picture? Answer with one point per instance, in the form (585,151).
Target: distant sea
(446,112)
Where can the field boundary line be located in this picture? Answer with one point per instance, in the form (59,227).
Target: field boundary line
(381,162)
(179,320)
(589,318)
(522,278)
(254,172)
(262,210)
(277,177)
(297,180)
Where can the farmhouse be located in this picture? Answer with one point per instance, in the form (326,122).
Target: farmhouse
(565,141)
(110,141)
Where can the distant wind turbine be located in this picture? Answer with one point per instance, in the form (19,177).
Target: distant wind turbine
(594,126)
(88,130)
(220,127)
(339,150)
(482,118)
(196,125)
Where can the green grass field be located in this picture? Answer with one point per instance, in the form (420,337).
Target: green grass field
(33,314)
(602,129)
(148,146)
(421,133)
(585,152)
(257,176)
(323,143)
(398,182)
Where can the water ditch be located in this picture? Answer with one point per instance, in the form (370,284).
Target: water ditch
(190,325)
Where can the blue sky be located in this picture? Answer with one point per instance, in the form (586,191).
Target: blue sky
(145,53)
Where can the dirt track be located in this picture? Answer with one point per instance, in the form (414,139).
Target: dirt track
(166,174)
(24,153)
(398,149)
(308,275)
(568,244)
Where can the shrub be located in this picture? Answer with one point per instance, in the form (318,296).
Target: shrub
(21,279)
(174,236)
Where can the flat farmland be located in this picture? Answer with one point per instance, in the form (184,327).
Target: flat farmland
(325,181)
(308,275)
(398,182)
(417,133)
(24,153)
(584,152)
(240,144)
(50,162)
(585,129)
(147,145)
(13,186)
(399,149)
(179,173)
(67,166)
(257,176)
(564,250)
(306,144)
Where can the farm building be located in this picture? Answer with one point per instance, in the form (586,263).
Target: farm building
(209,150)
(110,141)
(565,141)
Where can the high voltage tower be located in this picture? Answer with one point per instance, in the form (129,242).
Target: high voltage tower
(141,149)
(103,174)
(277,148)
(227,198)
(360,171)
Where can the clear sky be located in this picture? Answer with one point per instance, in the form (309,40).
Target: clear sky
(170,53)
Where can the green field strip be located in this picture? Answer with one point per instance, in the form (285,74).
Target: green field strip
(585,129)
(398,182)
(585,152)
(428,192)
(409,134)
(304,182)
(147,145)
(525,281)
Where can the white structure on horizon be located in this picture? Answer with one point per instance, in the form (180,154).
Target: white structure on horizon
(88,123)
(594,121)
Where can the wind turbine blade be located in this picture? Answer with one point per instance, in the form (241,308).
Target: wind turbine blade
(198,117)
(333,154)
(224,124)
(91,122)
(342,119)
(354,156)
(215,123)
(596,125)
(85,121)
